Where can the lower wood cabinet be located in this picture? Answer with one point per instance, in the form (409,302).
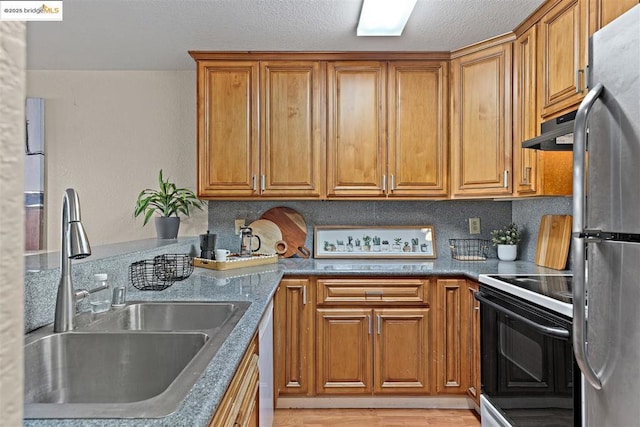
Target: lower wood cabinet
(239,406)
(457,338)
(376,336)
(380,351)
(293,337)
(473,339)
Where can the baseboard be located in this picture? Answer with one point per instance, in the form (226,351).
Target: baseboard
(422,402)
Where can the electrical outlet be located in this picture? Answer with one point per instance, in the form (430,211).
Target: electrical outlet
(474,225)
(239,223)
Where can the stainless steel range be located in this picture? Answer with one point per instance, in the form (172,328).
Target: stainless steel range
(529,374)
(551,291)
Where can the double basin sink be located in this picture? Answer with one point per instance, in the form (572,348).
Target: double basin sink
(139,361)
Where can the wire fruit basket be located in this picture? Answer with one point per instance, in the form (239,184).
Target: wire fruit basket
(160,272)
(175,267)
(469,249)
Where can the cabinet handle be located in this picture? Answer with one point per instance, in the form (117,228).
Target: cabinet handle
(578,72)
(505,179)
(379,323)
(527,173)
(393,182)
(369,320)
(374,293)
(304,295)
(384,182)
(253,183)
(262,182)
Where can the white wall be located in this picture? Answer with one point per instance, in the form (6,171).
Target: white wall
(12,94)
(107,134)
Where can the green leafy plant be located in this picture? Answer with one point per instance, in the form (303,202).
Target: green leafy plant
(508,235)
(168,200)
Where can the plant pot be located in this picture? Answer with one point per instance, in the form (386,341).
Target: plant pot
(167,227)
(507,252)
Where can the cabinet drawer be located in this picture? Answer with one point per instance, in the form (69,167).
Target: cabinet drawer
(372,291)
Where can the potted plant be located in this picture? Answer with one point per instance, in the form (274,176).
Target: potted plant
(507,239)
(376,244)
(169,202)
(367,243)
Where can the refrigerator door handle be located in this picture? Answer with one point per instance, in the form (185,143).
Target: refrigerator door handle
(579,244)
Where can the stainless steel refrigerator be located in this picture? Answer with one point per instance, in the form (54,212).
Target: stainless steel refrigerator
(606,230)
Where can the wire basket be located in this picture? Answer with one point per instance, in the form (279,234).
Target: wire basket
(173,267)
(469,249)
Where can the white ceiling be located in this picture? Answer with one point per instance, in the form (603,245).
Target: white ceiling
(156,34)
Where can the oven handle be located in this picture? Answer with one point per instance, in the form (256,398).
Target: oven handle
(555,332)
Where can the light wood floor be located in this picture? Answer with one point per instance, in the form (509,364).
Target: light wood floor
(375,417)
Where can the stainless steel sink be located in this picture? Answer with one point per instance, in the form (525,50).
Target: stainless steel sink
(175,316)
(136,362)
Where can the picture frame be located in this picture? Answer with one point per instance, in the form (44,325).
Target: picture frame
(407,242)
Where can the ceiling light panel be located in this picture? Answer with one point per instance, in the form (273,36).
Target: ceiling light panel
(384,17)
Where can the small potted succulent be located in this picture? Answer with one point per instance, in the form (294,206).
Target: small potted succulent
(507,239)
(169,202)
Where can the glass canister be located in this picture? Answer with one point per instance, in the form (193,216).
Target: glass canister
(100,299)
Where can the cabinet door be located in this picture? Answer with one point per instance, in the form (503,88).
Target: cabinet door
(451,337)
(525,112)
(473,341)
(293,337)
(481,139)
(356,151)
(227,128)
(403,371)
(562,47)
(291,128)
(343,356)
(417,128)
(601,12)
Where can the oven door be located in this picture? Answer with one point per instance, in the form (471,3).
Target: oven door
(528,369)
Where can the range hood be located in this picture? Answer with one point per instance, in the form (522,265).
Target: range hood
(555,134)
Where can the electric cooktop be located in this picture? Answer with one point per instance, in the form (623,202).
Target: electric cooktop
(553,291)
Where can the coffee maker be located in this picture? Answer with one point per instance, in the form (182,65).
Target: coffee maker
(207,245)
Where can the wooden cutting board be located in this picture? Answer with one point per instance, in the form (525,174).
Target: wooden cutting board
(554,238)
(293,228)
(270,237)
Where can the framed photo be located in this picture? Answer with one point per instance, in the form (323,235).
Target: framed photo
(374,242)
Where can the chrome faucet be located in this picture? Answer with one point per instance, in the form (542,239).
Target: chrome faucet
(75,245)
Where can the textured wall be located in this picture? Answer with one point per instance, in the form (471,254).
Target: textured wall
(450,218)
(527,213)
(12,94)
(107,133)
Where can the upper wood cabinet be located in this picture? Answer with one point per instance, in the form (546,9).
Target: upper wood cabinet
(387,129)
(481,138)
(276,154)
(562,46)
(292,128)
(526,117)
(418,131)
(356,125)
(227,128)
(601,12)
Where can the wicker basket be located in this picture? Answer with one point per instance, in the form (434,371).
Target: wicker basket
(469,249)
